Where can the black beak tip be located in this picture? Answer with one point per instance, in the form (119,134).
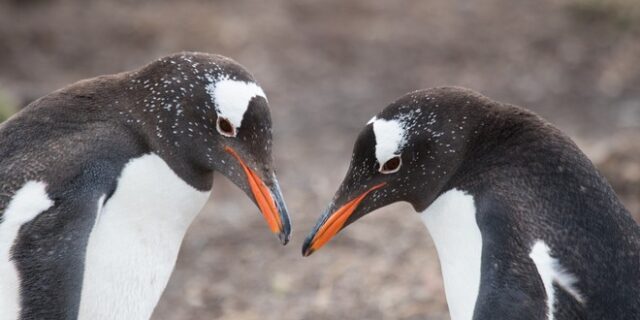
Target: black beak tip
(306,248)
(285,233)
(284,237)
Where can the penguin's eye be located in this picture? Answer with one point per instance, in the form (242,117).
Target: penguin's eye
(392,165)
(225,127)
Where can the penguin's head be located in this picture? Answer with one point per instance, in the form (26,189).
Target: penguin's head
(243,142)
(408,152)
(209,109)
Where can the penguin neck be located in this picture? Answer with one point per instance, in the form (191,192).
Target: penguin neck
(170,134)
(451,221)
(451,218)
(136,239)
(499,154)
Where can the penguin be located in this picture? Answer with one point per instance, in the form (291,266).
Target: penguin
(524,225)
(101,179)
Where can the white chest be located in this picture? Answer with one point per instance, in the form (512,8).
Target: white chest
(451,221)
(134,244)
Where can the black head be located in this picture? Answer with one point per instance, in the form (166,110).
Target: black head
(206,113)
(408,152)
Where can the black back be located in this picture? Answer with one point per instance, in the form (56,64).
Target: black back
(531,182)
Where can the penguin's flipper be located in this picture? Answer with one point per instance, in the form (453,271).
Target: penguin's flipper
(508,302)
(49,251)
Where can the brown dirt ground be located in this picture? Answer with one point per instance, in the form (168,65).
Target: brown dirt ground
(327,67)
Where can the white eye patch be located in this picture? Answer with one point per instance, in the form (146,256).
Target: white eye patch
(390,138)
(232,98)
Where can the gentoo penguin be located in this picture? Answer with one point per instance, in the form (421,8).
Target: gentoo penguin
(524,225)
(101,179)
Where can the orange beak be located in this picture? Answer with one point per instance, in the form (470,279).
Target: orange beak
(334,223)
(264,198)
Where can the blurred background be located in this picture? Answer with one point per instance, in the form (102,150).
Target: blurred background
(327,67)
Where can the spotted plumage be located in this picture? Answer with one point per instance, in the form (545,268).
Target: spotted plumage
(101,179)
(524,225)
